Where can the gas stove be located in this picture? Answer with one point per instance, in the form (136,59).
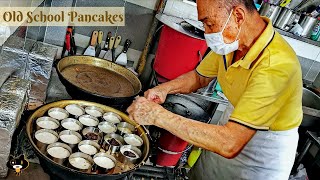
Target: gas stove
(149,172)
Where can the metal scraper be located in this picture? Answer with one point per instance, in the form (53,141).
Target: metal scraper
(98,49)
(91,49)
(122,59)
(106,46)
(109,52)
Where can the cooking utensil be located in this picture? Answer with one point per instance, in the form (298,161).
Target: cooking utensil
(116,44)
(93,134)
(70,137)
(129,154)
(81,162)
(271,11)
(122,59)
(89,147)
(193,30)
(91,49)
(44,137)
(104,161)
(71,124)
(78,92)
(196,24)
(170,146)
(106,46)
(125,128)
(100,37)
(59,152)
(307,23)
(304,5)
(284,3)
(46,122)
(107,127)
(133,140)
(58,113)
(112,117)
(63,172)
(89,120)
(94,111)
(73,42)
(108,55)
(67,44)
(75,109)
(285,19)
(112,143)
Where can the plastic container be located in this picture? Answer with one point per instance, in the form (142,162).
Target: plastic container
(177,53)
(315,34)
(170,149)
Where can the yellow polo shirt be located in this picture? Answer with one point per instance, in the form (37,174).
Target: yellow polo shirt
(265,86)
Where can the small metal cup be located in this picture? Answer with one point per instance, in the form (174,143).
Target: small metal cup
(43,145)
(90,143)
(58,113)
(71,134)
(107,127)
(125,158)
(93,134)
(78,126)
(112,117)
(59,160)
(81,156)
(100,169)
(94,111)
(112,148)
(89,120)
(75,109)
(53,123)
(125,128)
(133,139)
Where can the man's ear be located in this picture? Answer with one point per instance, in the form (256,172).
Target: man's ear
(240,15)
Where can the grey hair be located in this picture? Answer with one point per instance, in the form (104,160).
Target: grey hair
(249,4)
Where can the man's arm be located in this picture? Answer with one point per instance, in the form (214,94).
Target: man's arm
(227,140)
(186,83)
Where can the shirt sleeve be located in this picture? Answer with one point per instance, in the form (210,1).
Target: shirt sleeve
(209,66)
(264,96)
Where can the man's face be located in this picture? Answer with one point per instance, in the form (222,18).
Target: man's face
(214,16)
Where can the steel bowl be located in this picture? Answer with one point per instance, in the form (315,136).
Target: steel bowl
(112,148)
(60,147)
(63,172)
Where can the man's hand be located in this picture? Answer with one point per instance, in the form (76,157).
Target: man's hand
(145,112)
(156,94)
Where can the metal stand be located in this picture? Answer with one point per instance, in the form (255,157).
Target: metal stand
(312,139)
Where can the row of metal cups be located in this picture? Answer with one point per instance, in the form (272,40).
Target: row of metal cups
(95,149)
(287,19)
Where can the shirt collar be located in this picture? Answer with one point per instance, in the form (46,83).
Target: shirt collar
(261,43)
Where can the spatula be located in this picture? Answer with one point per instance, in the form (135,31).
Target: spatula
(109,52)
(91,50)
(98,50)
(111,56)
(122,59)
(106,46)
(116,44)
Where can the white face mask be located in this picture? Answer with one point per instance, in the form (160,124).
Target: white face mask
(216,43)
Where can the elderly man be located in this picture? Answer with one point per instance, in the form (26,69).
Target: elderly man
(260,75)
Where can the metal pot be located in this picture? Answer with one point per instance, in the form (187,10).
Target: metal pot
(311,110)
(307,23)
(271,11)
(78,92)
(171,146)
(286,18)
(184,106)
(63,172)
